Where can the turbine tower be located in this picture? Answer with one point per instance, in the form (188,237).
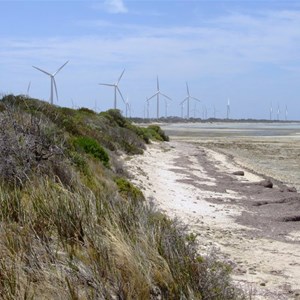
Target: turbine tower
(157,97)
(228,108)
(116,89)
(278,112)
(187,99)
(53,83)
(286,112)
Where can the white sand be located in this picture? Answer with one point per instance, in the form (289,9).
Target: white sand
(269,268)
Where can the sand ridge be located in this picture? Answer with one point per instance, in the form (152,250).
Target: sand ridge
(196,185)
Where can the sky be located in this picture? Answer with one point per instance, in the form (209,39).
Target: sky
(245,51)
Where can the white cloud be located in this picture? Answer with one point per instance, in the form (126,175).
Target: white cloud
(115,6)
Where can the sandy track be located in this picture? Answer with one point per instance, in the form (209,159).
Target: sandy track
(196,185)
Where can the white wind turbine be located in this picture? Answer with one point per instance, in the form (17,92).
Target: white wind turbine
(187,99)
(157,95)
(116,89)
(278,112)
(228,108)
(286,112)
(271,112)
(53,83)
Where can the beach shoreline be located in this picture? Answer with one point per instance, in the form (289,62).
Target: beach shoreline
(196,185)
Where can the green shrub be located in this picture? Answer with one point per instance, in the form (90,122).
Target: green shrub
(128,190)
(92,147)
(157,133)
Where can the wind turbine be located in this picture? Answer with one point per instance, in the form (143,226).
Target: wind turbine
(286,112)
(53,83)
(278,112)
(271,112)
(157,95)
(116,89)
(228,108)
(187,98)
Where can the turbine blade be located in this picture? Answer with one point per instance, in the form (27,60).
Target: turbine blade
(184,100)
(166,96)
(187,89)
(120,77)
(28,88)
(60,68)
(121,95)
(42,71)
(157,83)
(153,96)
(107,84)
(55,87)
(196,99)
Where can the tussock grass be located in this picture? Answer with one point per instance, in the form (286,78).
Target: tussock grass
(71,228)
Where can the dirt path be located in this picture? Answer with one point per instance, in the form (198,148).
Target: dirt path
(255,228)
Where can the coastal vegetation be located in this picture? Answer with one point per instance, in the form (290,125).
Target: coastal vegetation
(73,226)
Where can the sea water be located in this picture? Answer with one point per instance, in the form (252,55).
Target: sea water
(272,149)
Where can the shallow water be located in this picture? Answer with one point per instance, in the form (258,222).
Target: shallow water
(272,149)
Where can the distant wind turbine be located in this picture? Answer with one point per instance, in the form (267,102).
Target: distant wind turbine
(271,112)
(157,97)
(286,112)
(53,83)
(187,99)
(228,108)
(116,89)
(278,112)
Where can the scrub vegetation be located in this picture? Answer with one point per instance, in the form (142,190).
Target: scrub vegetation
(72,226)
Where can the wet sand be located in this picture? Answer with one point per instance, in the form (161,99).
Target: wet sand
(255,228)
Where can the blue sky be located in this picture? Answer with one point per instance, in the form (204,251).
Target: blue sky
(248,51)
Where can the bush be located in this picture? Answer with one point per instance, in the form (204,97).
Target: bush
(157,133)
(92,147)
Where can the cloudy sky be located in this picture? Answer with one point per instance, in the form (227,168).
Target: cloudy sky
(247,51)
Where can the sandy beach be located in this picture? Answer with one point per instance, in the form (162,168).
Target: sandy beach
(253,228)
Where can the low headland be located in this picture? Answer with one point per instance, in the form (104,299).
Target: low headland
(74,225)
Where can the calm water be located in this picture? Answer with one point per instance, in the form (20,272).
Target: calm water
(272,149)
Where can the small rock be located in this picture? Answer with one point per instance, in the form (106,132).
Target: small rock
(263,284)
(239,173)
(266,183)
(291,189)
